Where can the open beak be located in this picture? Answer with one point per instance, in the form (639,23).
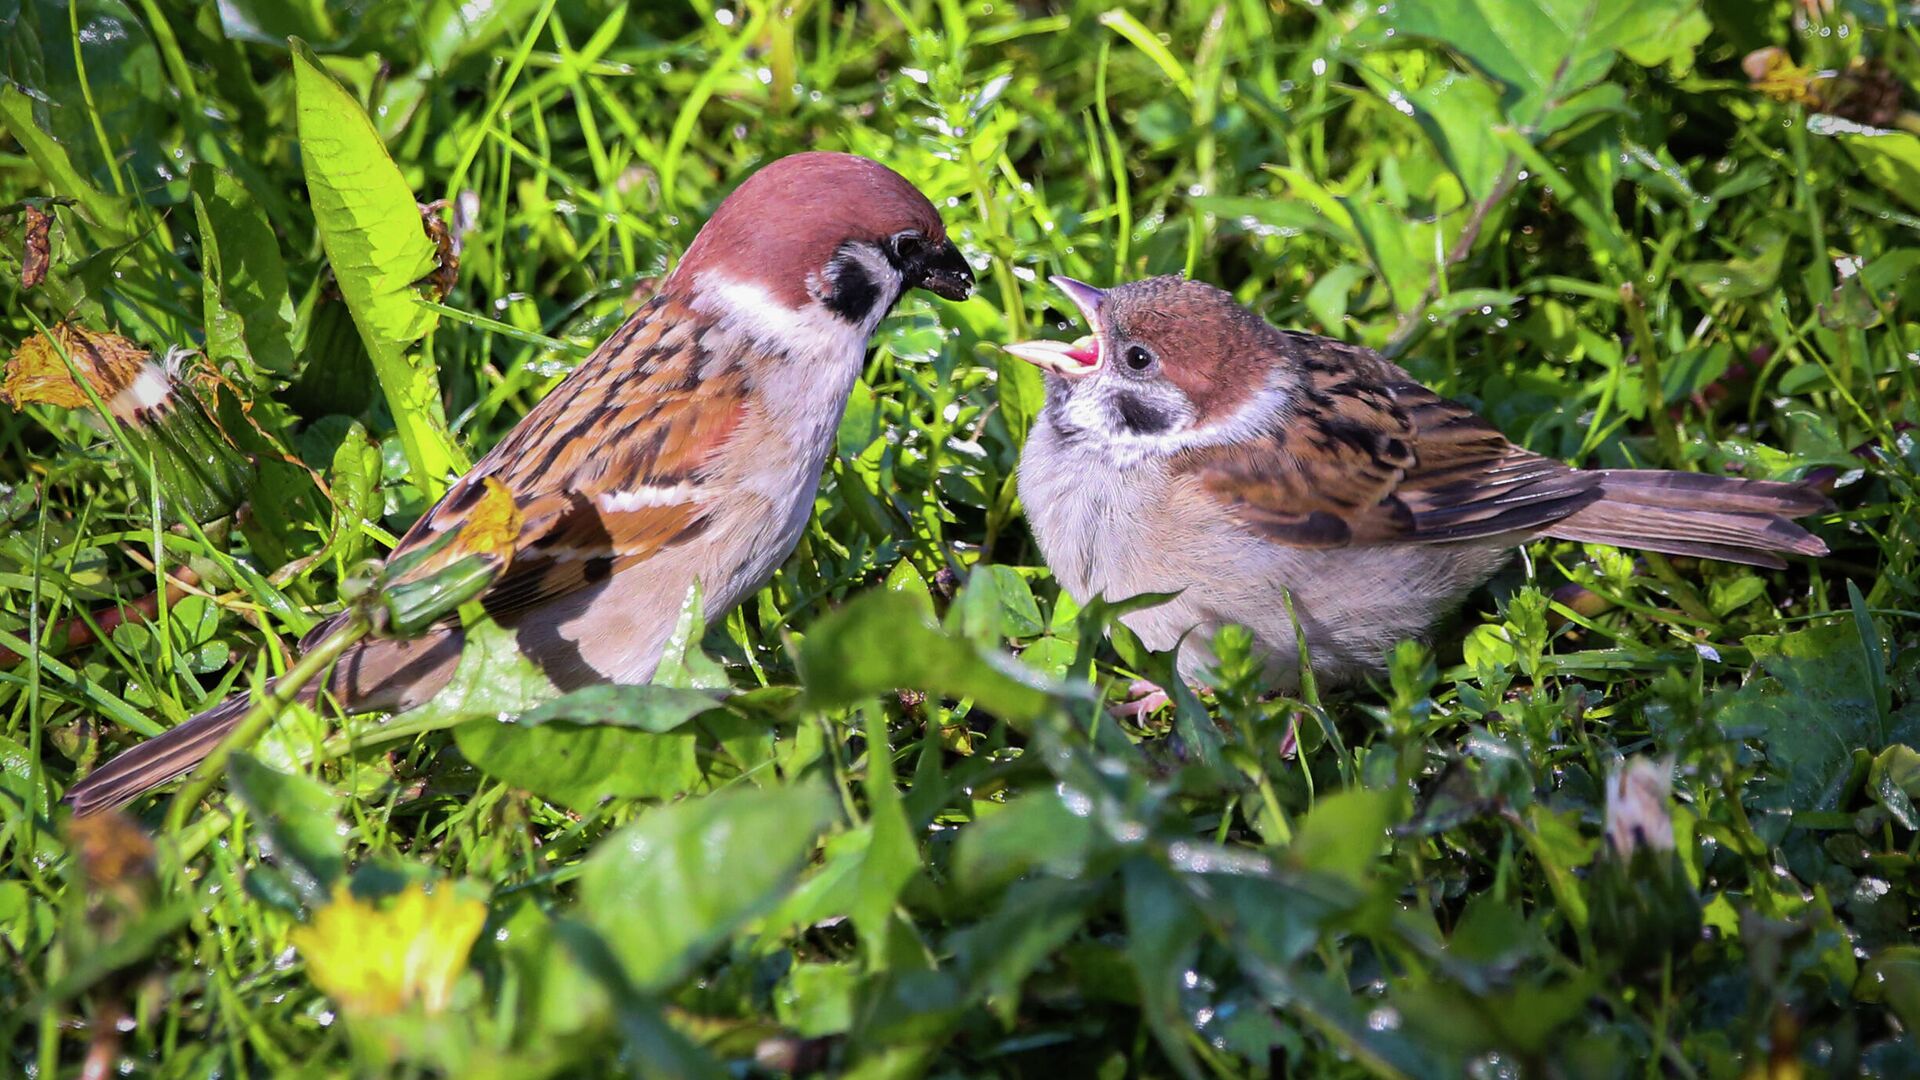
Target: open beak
(1074,359)
(944,273)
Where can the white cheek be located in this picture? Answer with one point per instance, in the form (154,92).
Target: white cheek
(807,333)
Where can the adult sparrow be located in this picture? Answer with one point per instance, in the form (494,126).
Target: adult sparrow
(687,447)
(1189,447)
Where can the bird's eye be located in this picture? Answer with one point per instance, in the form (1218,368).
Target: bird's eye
(908,245)
(1138,358)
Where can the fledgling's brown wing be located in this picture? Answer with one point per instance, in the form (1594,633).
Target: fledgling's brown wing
(1362,454)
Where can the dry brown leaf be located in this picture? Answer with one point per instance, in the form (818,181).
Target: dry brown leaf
(39,247)
(110,363)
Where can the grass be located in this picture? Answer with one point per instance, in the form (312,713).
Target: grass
(1626,233)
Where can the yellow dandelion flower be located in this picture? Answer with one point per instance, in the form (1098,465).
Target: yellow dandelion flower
(377,961)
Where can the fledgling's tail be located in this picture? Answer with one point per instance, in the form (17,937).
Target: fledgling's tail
(167,756)
(1710,517)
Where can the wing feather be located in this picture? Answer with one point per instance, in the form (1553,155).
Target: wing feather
(1359,453)
(608,469)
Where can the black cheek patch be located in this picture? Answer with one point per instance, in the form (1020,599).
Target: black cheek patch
(854,293)
(1143,418)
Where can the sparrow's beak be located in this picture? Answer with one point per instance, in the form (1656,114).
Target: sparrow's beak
(1069,359)
(942,272)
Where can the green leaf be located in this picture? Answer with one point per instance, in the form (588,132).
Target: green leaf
(994,604)
(299,820)
(580,766)
(892,857)
(1163,937)
(1812,706)
(905,580)
(355,484)
(377,247)
(644,708)
(1546,51)
(574,765)
(248,313)
(1892,978)
(1343,834)
(1556,843)
(670,888)
(996,954)
(1035,830)
(110,213)
(880,642)
(1893,779)
(682,663)
(1454,112)
(1022,390)
(1739,278)
(1891,159)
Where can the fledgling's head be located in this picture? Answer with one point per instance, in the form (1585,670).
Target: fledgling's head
(827,234)
(1170,363)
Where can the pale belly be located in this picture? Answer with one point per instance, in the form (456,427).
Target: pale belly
(1103,536)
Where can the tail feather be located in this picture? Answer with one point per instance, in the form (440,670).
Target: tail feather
(375,674)
(1713,517)
(167,756)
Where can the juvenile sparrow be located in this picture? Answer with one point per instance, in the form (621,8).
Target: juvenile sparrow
(687,447)
(1189,447)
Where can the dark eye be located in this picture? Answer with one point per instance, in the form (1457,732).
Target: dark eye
(1138,358)
(908,246)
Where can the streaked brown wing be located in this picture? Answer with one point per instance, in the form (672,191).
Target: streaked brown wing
(1362,454)
(609,468)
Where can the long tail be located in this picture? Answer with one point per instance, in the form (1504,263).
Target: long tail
(374,675)
(166,756)
(1711,517)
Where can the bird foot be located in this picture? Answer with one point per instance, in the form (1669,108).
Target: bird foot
(1144,698)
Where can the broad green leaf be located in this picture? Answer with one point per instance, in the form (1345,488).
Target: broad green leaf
(668,889)
(644,708)
(906,581)
(299,821)
(110,213)
(682,663)
(1812,705)
(1892,978)
(1893,779)
(1891,159)
(1744,276)
(581,765)
(354,481)
(1344,833)
(994,604)
(892,857)
(1163,937)
(1037,830)
(1546,51)
(1328,298)
(1454,112)
(1560,849)
(248,313)
(816,1000)
(996,955)
(377,247)
(1022,390)
(880,642)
